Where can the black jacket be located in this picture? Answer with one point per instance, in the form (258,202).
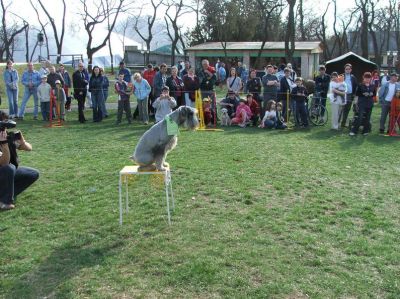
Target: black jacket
(79,82)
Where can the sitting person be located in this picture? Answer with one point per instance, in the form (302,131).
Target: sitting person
(243,114)
(163,104)
(269,120)
(14,179)
(280,121)
(231,103)
(255,109)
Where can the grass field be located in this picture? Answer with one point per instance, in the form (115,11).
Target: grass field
(259,214)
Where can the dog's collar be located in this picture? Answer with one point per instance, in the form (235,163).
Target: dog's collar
(172,126)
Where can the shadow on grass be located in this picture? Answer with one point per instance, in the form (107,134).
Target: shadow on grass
(50,278)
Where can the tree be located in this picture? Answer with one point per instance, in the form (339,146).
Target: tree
(9,33)
(43,30)
(103,9)
(58,38)
(290,31)
(150,23)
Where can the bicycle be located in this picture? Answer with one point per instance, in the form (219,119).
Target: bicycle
(317,113)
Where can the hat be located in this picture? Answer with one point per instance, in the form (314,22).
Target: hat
(231,92)
(58,82)
(165,88)
(43,76)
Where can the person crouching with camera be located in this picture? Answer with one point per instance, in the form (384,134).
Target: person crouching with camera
(14,179)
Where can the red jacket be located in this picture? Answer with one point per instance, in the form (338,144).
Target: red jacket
(254,107)
(149,76)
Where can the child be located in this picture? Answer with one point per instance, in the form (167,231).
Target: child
(207,111)
(269,119)
(299,95)
(43,92)
(243,114)
(280,121)
(254,107)
(163,104)
(59,96)
(124,92)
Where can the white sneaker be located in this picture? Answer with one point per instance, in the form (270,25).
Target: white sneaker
(352,134)
(365,134)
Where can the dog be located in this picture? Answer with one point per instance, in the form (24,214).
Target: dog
(225,119)
(152,149)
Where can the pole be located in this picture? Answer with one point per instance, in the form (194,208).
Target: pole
(287,106)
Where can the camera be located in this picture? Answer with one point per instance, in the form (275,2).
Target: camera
(7,124)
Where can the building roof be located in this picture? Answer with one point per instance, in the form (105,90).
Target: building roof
(307,46)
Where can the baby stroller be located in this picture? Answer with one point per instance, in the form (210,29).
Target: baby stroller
(355,119)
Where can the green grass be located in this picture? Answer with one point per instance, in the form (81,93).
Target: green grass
(259,214)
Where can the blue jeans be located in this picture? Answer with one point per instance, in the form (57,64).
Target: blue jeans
(15,180)
(97,104)
(45,109)
(270,123)
(103,106)
(12,95)
(27,94)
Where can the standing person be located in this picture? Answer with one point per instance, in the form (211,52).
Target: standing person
(44,68)
(239,69)
(321,87)
(244,77)
(164,104)
(60,98)
(142,91)
(52,77)
(337,97)
(126,72)
(43,92)
(270,84)
(385,77)
(121,88)
(96,90)
(365,103)
(191,84)
(67,85)
(14,179)
(299,94)
(286,86)
(31,80)
(386,94)
(80,88)
(11,79)
(88,93)
(160,80)
(207,79)
(221,72)
(351,83)
(149,76)
(234,83)
(175,84)
(106,85)
(253,86)
(185,69)
(293,74)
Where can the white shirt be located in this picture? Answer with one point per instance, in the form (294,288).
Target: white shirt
(391,92)
(269,115)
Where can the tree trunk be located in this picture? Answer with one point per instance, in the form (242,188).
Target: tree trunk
(289,37)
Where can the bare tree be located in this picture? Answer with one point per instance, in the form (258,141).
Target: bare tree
(196,7)
(103,9)
(290,31)
(8,32)
(43,29)
(322,34)
(363,5)
(147,38)
(171,20)
(58,38)
(121,29)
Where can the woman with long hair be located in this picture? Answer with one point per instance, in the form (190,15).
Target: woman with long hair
(96,90)
(11,81)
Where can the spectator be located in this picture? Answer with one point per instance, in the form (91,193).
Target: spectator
(386,93)
(351,83)
(14,179)
(52,77)
(221,75)
(88,93)
(149,76)
(269,120)
(239,69)
(191,84)
(160,80)
(231,103)
(59,96)
(255,109)
(293,74)
(142,90)
(281,72)
(270,84)
(365,103)
(186,69)
(106,85)
(234,83)
(125,71)
(299,95)
(280,121)
(96,90)
(11,79)
(175,84)
(321,87)
(164,104)
(67,85)
(121,88)
(243,114)
(244,77)
(43,92)
(80,83)
(385,77)
(337,97)
(44,68)
(253,86)
(31,80)
(207,80)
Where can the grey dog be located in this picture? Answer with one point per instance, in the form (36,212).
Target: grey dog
(153,147)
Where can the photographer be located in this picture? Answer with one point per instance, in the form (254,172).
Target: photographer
(163,104)
(13,179)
